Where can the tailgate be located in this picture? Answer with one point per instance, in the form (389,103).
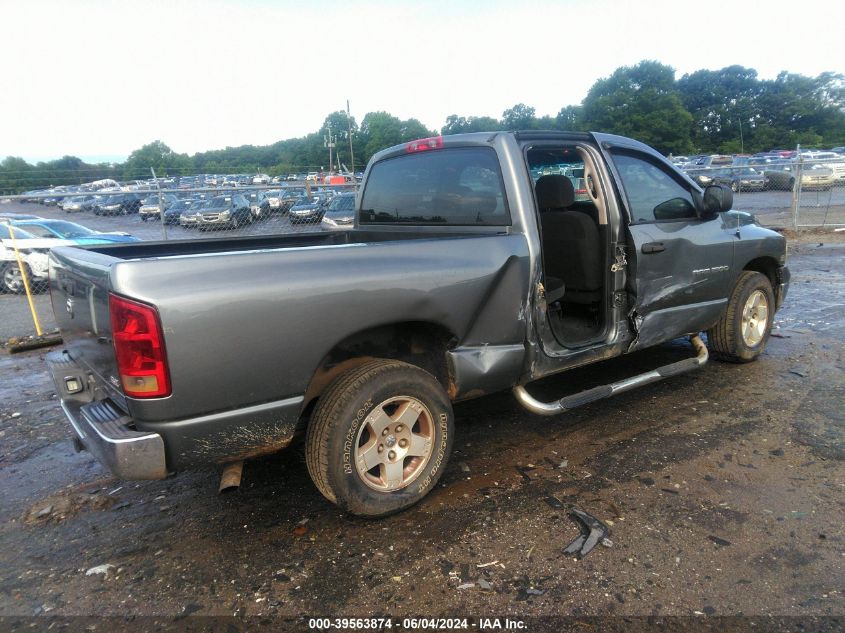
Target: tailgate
(79,291)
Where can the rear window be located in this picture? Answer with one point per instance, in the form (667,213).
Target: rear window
(461,186)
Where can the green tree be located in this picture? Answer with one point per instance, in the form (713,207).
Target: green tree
(642,102)
(380,130)
(793,109)
(723,104)
(570,118)
(158,156)
(519,117)
(460,125)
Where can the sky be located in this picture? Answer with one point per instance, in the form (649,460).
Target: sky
(98,79)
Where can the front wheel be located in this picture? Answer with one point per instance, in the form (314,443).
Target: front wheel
(741,334)
(12,281)
(380,438)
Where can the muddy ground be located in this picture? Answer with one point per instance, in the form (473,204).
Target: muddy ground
(724,491)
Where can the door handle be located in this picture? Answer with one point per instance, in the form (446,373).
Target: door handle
(653,247)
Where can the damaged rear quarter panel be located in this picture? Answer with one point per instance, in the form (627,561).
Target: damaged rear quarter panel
(232,344)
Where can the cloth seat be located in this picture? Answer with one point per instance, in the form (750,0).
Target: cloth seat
(571,244)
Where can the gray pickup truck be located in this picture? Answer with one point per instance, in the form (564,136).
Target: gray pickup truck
(477,263)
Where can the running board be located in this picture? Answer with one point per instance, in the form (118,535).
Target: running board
(605,391)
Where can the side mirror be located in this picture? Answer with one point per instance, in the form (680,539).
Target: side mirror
(717,198)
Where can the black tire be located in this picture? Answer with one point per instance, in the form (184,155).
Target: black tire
(726,339)
(342,424)
(11,280)
(144,218)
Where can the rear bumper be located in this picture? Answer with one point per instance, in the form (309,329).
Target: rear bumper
(103,428)
(134,448)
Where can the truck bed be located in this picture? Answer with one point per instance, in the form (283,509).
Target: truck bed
(247,321)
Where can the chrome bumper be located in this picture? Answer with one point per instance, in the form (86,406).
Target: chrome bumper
(102,427)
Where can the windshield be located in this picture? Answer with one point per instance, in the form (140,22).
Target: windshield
(60,229)
(342,203)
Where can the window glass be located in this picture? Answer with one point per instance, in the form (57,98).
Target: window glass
(19,233)
(37,231)
(653,194)
(461,186)
(548,161)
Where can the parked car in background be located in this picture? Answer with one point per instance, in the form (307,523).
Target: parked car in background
(150,210)
(172,213)
(74,204)
(814,176)
(223,212)
(189,218)
(779,176)
(340,212)
(33,253)
(276,201)
(832,161)
(739,179)
(259,205)
(119,204)
(818,177)
(76,233)
(307,210)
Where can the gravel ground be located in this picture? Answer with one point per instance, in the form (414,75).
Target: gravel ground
(724,491)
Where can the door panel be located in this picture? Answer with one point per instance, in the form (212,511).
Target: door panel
(680,265)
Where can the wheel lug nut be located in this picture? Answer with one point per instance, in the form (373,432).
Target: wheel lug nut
(381,448)
(385,432)
(399,428)
(392,454)
(403,442)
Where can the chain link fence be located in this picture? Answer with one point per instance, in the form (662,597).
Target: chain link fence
(783,193)
(168,209)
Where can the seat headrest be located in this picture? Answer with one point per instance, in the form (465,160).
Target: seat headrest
(554,192)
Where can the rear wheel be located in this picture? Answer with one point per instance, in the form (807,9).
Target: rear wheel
(380,438)
(741,334)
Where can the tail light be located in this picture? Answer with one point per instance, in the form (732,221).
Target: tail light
(139,346)
(423,144)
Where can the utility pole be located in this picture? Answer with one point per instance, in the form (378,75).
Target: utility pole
(328,141)
(349,127)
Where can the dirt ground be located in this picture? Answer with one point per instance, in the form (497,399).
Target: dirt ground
(724,491)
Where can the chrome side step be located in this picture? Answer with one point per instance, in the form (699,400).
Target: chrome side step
(605,391)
